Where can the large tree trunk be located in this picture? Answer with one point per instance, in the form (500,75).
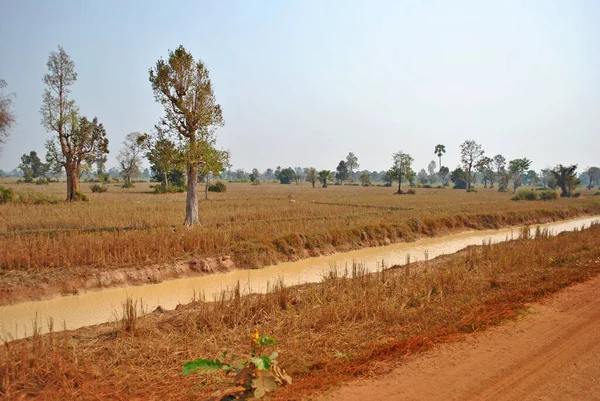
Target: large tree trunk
(399,185)
(206,189)
(72,181)
(191,201)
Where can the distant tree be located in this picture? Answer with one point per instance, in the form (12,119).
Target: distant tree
(545,176)
(183,86)
(342,172)
(594,176)
(7,117)
(77,139)
(285,176)
(146,173)
(532,178)
(401,168)
(422,177)
(566,178)
(269,174)
(439,151)
(516,169)
(325,176)
(32,167)
(311,175)
(444,175)
(365,179)
(459,178)
(470,155)
(214,163)
(165,157)
(388,177)
(255,177)
(298,175)
(484,167)
(130,157)
(431,170)
(499,168)
(352,164)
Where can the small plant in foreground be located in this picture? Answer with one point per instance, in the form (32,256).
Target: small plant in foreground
(254,376)
(6,195)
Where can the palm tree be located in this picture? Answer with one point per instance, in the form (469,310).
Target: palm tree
(439,151)
(566,178)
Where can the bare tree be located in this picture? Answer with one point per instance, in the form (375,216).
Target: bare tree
(7,117)
(77,139)
(470,154)
(183,86)
(130,157)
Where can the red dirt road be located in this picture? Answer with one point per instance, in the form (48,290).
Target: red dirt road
(551,354)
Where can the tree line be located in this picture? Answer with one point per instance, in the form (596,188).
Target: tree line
(182,149)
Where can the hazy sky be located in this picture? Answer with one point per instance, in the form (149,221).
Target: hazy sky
(302,83)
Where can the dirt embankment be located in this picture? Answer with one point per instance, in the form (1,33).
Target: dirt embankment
(552,354)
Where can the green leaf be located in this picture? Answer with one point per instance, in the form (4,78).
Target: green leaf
(262,363)
(265,340)
(274,356)
(203,366)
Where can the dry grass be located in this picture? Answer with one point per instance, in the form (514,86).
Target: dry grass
(256,225)
(328,332)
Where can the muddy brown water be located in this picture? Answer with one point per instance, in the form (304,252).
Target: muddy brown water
(94,307)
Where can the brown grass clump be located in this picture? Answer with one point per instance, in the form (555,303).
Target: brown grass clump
(327,332)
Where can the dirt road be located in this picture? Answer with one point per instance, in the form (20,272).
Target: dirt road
(553,353)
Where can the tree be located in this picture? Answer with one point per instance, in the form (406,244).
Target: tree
(443,173)
(164,156)
(545,176)
(485,168)
(401,168)
(130,157)
(439,151)
(341,172)
(431,167)
(269,174)
(298,175)
(77,139)
(255,177)
(422,177)
(531,178)
(311,175)
(214,162)
(594,176)
(365,179)
(352,164)
(459,178)
(32,167)
(325,176)
(285,176)
(566,178)
(499,167)
(516,169)
(7,117)
(183,87)
(470,154)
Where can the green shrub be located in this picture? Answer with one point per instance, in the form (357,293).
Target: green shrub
(169,189)
(218,186)
(128,185)
(411,191)
(80,196)
(597,193)
(98,188)
(471,190)
(42,181)
(548,195)
(525,194)
(6,195)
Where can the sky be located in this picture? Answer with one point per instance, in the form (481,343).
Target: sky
(302,83)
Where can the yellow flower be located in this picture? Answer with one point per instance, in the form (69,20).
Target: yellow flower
(255,337)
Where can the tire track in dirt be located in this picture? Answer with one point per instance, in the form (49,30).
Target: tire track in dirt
(553,353)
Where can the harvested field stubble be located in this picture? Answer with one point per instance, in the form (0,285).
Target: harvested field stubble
(255,225)
(327,332)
